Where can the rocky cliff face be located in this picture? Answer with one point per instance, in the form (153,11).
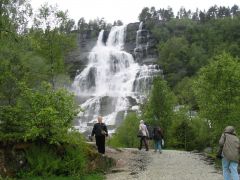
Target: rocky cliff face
(144,52)
(78,58)
(130,40)
(140,43)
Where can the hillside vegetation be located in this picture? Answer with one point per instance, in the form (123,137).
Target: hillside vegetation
(36,113)
(198,96)
(200,92)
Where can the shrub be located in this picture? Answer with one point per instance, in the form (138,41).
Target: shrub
(39,115)
(126,133)
(188,133)
(217,90)
(50,160)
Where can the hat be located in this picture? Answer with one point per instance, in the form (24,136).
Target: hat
(230,129)
(141,121)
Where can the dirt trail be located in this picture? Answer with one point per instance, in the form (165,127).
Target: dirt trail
(170,165)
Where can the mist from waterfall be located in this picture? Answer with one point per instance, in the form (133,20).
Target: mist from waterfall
(112,83)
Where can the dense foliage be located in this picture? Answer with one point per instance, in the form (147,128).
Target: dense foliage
(217,90)
(188,132)
(199,54)
(186,42)
(36,112)
(126,134)
(159,108)
(30,110)
(199,92)
(43,114)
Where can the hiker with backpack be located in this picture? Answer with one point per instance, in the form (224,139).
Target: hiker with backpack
(157,138)
(143,134)
(230,144)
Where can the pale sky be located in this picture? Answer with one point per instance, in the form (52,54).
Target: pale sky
(125,10)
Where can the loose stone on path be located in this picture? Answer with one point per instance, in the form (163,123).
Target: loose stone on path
(170,165)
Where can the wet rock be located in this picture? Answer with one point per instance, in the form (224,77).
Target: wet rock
(140,43)
(91,77)
(106,105)
(77,59)
(130,41)
(105,36)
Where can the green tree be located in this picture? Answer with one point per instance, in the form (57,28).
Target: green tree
(81,25)
(217,89)
(185,94)
(212,13)
(235,10)
(14,15)
(166,14)
(182,134)
(11,68)
(183,13)
(159,108)
(11,73)
(13,21)
(39,115)
(173,59)
(188,132)
(52,41)
(201,129)
(145,14)
(126,133)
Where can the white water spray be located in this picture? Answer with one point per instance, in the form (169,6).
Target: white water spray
(111,83)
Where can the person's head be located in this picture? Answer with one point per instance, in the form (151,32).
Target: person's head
(100,119)
(141,122)
(230,129)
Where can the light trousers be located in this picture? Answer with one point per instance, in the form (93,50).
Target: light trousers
(230,169)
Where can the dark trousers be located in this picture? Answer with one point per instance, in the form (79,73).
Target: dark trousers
(143,139)
(100,142)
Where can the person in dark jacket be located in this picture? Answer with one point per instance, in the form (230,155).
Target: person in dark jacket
(100,131)
(230,152)
(157,137)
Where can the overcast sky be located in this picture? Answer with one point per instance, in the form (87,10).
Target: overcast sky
(125,10)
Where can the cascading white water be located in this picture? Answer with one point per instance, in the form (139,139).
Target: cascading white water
(111,83)
(142,43)
(138,44)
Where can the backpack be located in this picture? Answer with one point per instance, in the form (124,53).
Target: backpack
(157,133)
(150,131)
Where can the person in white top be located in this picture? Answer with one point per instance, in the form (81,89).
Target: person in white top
(144,135)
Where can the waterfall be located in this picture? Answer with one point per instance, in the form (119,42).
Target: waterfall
(138,40)
(142,43)
(112,83)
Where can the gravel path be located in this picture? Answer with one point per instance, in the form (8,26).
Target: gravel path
(170,165)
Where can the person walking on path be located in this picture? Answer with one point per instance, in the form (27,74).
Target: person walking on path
(157,138)
(230,152)
(100,131)
(144,135)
